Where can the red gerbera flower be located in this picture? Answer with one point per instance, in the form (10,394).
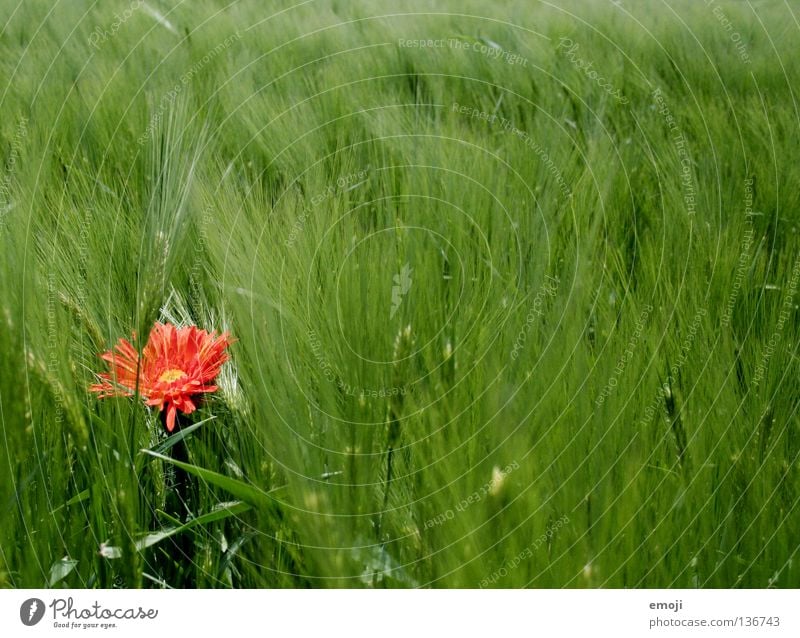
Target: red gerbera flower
(176,364)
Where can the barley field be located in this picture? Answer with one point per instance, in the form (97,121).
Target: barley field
(474,294)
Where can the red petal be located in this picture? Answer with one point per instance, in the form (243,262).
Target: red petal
(171,410)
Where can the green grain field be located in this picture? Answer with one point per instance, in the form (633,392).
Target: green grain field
(514,288)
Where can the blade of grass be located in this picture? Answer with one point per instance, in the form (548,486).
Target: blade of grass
(221,511)
(257,498)
(167,443)
(78,498)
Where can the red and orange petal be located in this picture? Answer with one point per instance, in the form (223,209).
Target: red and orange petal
(176,364)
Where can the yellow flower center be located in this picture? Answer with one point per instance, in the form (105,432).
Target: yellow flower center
(173,374)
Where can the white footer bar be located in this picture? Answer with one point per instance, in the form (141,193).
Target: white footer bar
(379,614)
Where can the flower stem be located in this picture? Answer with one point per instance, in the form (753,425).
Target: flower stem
(182,505)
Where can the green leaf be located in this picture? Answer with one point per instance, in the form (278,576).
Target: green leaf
(243,491)
(178,436)
(172,519)
(221,511)
(60,570)
(79,497)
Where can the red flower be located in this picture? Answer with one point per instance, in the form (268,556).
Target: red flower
(176,364)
